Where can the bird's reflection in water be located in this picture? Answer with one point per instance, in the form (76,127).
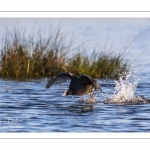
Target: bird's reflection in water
(78,108)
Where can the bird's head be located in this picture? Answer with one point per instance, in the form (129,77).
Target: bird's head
(97,85)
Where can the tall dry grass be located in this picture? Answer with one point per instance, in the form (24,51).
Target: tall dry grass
(29,56)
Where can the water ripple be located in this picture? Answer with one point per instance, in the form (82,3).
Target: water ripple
(29,107)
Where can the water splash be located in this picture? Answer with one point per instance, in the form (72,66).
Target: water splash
(88,101)
(125,87)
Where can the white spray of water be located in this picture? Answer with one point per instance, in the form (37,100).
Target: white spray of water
(125,87)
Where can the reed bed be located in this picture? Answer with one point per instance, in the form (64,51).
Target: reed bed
(36,56)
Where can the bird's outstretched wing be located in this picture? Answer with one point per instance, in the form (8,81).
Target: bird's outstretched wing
(60,78)
(84,79)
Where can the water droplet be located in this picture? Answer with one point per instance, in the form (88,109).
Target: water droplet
(125,87)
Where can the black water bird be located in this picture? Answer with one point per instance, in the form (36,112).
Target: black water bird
(78,86)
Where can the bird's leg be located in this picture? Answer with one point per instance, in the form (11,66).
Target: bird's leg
(91,95)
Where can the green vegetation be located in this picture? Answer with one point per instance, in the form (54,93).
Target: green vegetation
(101,66)
(34,56)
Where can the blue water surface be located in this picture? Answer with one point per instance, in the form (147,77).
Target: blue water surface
(26,106)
